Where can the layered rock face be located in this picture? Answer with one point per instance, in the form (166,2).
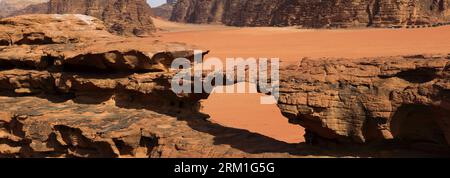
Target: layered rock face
(122,17)
(369,100)
(68,88)
(313,14)
(74,59)
(8,7)
(51,127)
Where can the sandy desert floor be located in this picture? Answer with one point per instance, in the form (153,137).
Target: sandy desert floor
(291,44)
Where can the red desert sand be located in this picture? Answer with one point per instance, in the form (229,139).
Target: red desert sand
(290,44)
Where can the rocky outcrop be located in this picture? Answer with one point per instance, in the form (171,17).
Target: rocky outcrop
(8,7)
(122,17)
(370,100)
(68,88)
(314,14)
(50,29)
(74,59)
(47,126)
(52,46)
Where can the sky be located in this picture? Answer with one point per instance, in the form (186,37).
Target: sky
(155,3)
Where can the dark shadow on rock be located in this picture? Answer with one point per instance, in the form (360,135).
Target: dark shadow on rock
(247,141)
(420,127)
(254,143)
(420,75)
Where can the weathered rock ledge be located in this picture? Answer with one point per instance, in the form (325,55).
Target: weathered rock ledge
(369,100)
(68,88)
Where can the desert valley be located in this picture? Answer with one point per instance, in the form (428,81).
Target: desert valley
(364,78)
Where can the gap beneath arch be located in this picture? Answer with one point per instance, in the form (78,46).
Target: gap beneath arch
(244,111)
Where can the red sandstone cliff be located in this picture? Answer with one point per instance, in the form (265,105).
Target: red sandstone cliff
(315,14)
(122,17)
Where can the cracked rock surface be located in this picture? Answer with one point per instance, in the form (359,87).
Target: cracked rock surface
(68,88)
(364,100)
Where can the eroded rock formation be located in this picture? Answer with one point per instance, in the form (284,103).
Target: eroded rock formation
(122,17)
(369,100)
(75,59)
(313,13)
(68,88)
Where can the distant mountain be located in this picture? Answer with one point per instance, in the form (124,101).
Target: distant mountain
(122,17)
(7,7)
(313,13)
(164,11)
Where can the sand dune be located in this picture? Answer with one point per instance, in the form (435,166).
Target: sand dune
(291,44)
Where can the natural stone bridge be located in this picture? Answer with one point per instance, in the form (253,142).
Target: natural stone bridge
(87,93)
